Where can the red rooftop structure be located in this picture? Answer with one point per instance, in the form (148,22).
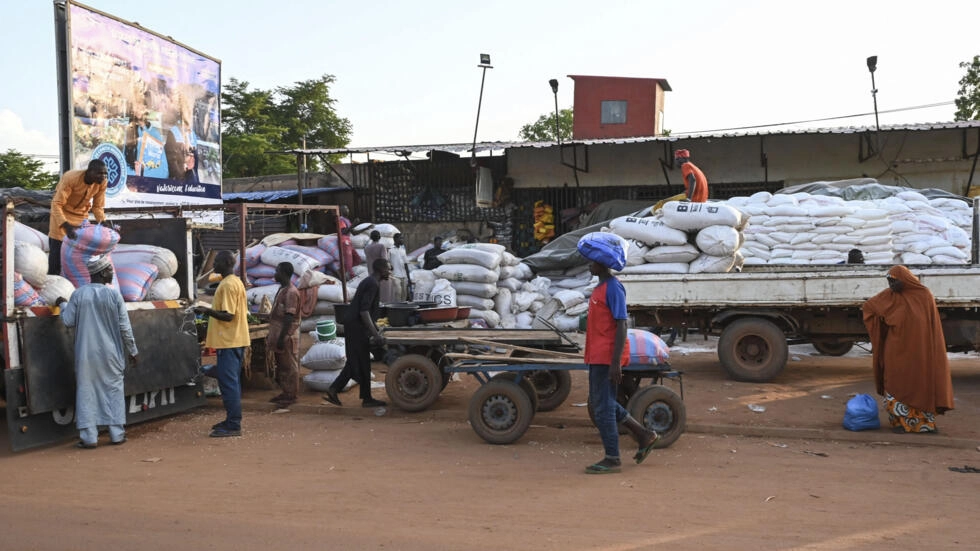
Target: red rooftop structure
(618,107)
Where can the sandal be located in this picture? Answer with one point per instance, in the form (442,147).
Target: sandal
(644,451)
(85,446)
(603,467)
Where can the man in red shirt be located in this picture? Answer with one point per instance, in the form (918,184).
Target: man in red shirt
(695,184)
(606,352)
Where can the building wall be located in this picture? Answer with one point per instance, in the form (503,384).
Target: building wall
(641,96)
(920,159)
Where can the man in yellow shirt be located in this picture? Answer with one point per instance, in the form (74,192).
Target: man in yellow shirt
(228,335)
(78,192)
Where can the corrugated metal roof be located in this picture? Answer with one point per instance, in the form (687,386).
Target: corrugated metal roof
(496,146)
(275,195)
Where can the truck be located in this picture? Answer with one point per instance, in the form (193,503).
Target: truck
(38,381)
(758,312)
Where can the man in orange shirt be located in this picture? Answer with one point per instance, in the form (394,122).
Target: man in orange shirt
(78,192)
(695,184)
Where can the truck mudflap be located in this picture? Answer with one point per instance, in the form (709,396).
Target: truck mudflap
(41,393)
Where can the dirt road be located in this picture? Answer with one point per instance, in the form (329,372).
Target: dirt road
(321,477)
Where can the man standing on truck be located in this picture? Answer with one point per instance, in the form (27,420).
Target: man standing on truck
(102,328)
(360,333)
(78,192)
(606,352)
(695,184)
(228,335)
(283,338)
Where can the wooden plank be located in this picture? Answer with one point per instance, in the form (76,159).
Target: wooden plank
(513,347)
(508,359)
(452,336)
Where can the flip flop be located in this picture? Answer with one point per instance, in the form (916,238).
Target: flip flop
(643,452)
(598,468)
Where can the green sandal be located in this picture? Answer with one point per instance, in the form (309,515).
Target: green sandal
(603,467)
(643,452)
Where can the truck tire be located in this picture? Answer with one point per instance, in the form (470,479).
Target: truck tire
(413,382)
(661,409)
(833,348)
(500,412)
(552,386)
(753,350)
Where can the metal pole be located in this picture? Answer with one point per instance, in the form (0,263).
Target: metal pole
(479,104)
(557,128)
(874,96)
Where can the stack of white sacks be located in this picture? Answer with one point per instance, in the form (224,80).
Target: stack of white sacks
(142,272)
(908,228)
(325,359)
(683,238)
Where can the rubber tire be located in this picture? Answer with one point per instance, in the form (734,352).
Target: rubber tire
(526,385)
(753,350)
(833,348)
(553,387)
(661,409)
(500,412)
(413,382)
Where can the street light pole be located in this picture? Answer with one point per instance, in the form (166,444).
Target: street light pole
(484,64)
(554,89)
(872,65)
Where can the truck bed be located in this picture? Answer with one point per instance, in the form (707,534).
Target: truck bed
(953,286)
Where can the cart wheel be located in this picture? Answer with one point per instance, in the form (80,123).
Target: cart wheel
(833,348)
(413,382)
(753,350)
(552,386)
(661,409)
(526,385)
(500,412)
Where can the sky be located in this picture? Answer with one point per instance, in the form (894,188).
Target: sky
(407,72)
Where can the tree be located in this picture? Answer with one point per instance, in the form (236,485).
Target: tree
(259,123)
(543,130)
(968,102)
(19,170)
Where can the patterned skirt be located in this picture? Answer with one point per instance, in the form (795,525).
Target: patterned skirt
(907,417)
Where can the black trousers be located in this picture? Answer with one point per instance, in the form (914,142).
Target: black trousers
(358,366)
(54,256)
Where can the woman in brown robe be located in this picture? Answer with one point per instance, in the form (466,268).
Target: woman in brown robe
(909,353)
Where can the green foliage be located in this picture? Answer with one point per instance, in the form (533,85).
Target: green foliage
(543,130)
(259,123)
(968,102)
(19,170)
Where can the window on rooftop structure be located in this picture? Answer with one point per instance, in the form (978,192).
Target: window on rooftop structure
(614,112)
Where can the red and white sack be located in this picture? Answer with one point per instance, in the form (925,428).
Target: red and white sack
(164,259)
(253,255)
(90,240)
(321,256)
(135,280)
(24,293)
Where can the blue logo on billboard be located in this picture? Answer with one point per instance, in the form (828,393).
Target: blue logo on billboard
(115,163)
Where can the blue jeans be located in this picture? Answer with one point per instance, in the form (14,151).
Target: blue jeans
(608,413)
(227,370)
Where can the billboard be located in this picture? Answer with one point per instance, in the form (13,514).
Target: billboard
(146,105)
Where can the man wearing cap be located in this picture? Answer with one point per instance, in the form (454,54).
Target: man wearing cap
(102,329)
(78,192)
(695,184)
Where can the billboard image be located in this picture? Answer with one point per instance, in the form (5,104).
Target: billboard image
(147,106)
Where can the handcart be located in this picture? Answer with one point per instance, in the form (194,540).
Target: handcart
(517,381)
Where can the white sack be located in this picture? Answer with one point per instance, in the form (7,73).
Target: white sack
(688,216)
(55,286)
(650,230)
(164,288)
(483,290)
(324,356)
(31,262)
(466,272)
(470,256)
(711,264)
(672,253)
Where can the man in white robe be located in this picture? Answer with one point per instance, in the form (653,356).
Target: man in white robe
(102,328)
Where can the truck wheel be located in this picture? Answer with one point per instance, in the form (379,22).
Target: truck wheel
(833,348)
(526,385)
(553,387)
(500,412)
(413,382)
(661,409)
(753,349)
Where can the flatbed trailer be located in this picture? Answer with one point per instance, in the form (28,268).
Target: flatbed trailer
(520,372)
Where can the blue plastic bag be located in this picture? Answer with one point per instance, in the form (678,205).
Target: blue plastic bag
(861,413)
(605,248)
